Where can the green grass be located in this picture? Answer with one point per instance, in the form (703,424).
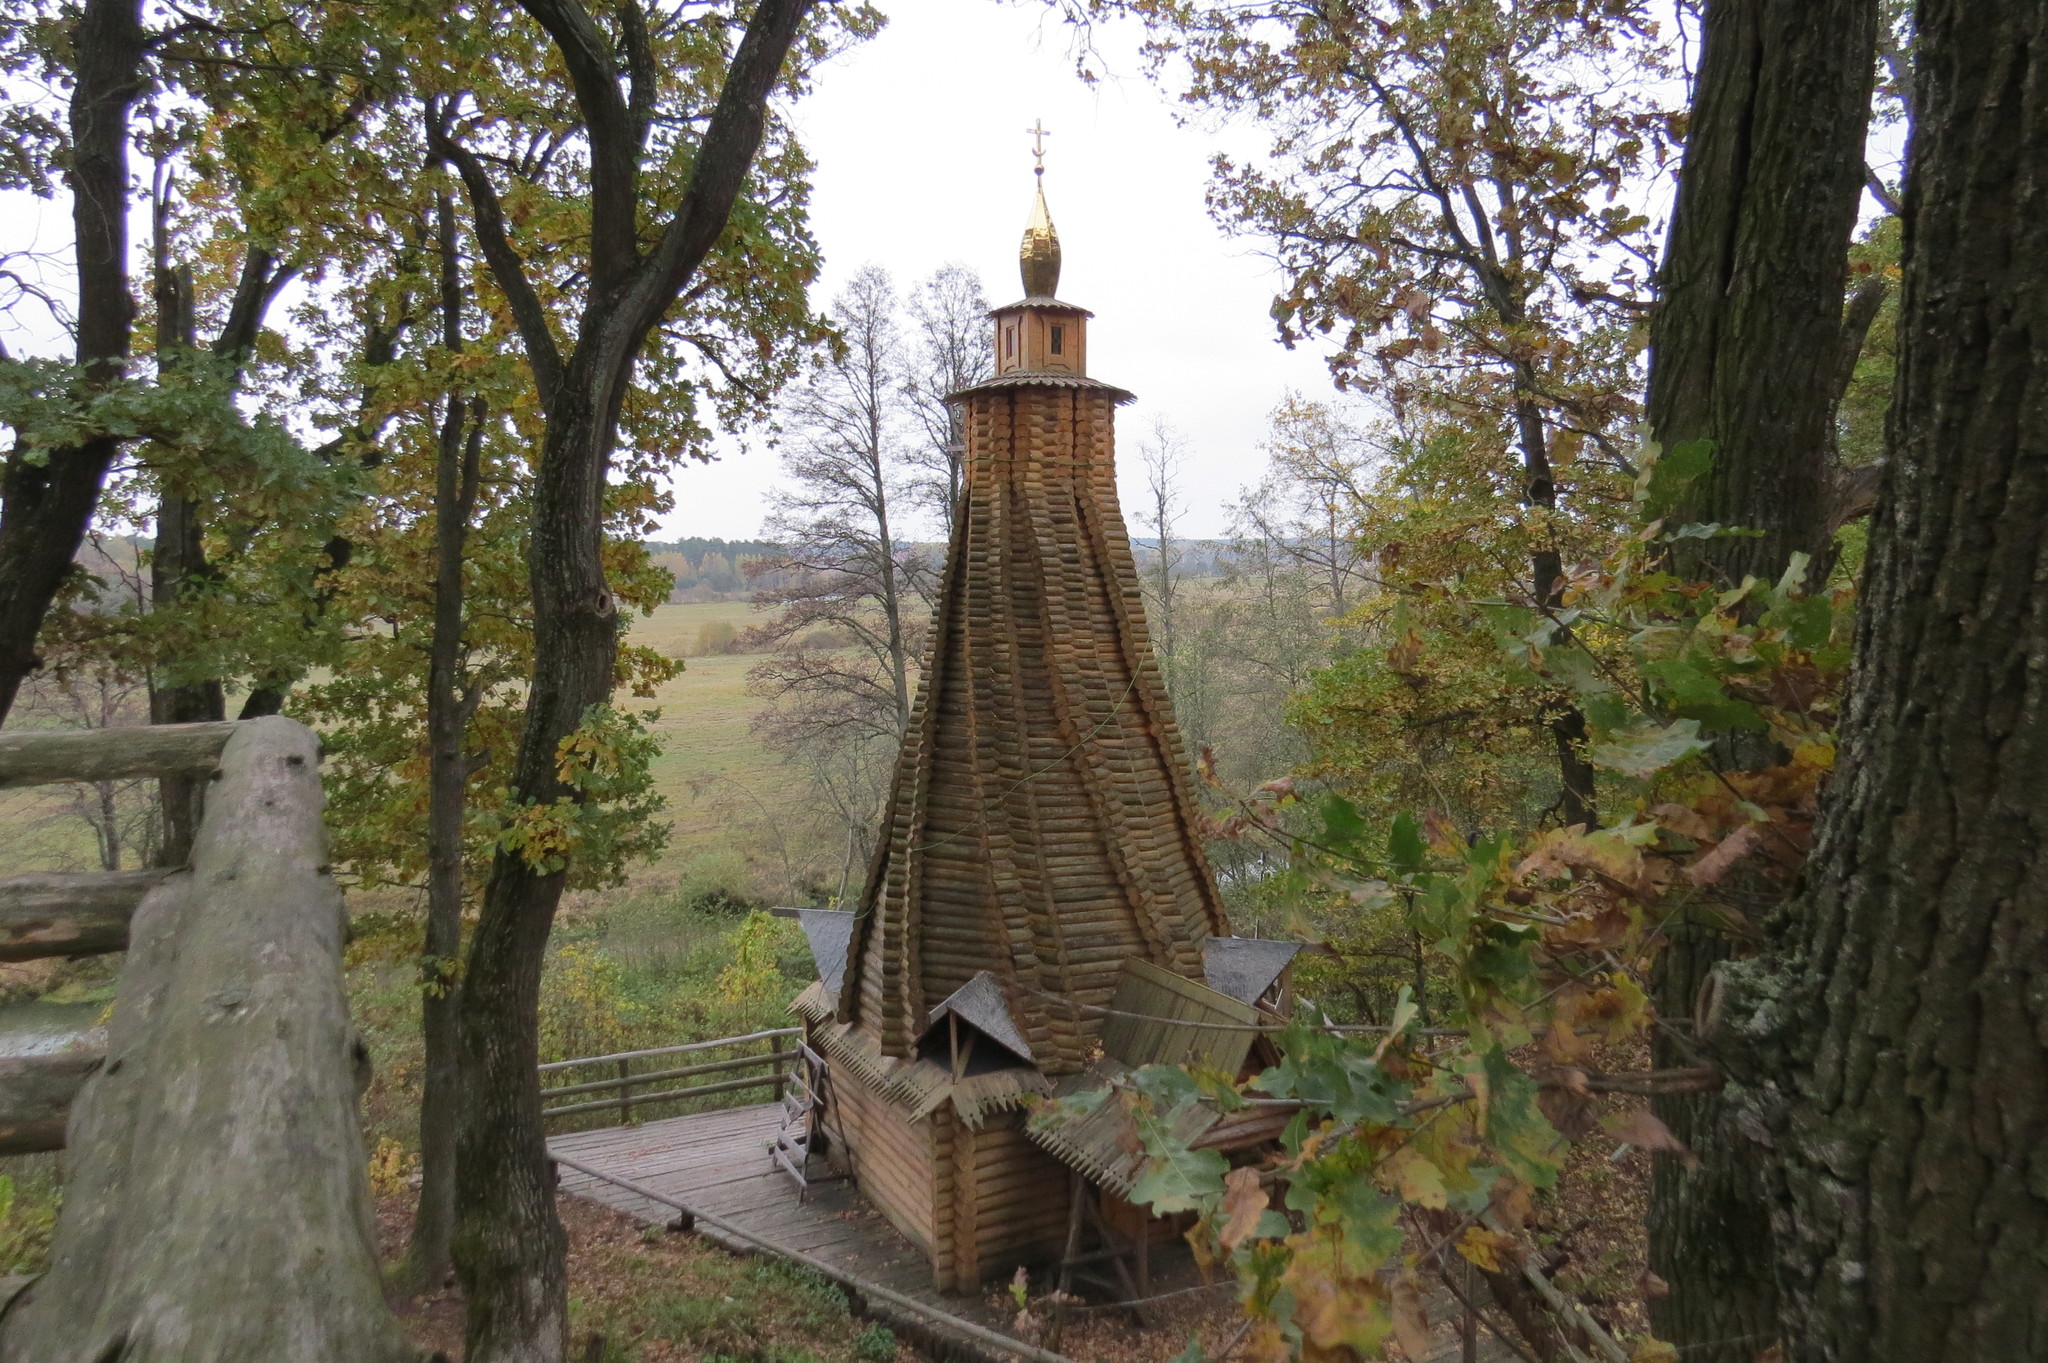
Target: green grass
(662,1301)
(722,784)
(673,628)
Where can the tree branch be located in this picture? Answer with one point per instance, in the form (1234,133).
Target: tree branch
(528,314)
(614,140)
(258,286)
(723,159)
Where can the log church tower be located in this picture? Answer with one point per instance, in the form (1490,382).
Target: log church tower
(1040,826)
(1041,838)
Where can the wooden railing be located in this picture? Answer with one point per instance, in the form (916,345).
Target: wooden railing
(216,1203)
(629,1087)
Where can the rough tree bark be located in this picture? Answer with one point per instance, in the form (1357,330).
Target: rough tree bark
(47,497)
(1745,347)
(1896,1048)
(1749,317)
(216,1204)
(509,1246)
(449,708)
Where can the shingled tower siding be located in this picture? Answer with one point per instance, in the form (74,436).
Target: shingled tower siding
(1041,822)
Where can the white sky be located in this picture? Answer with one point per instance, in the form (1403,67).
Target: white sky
(923,159)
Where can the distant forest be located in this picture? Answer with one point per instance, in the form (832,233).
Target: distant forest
(716,570)
(710,569)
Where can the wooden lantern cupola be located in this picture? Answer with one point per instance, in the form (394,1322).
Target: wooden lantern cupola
(1039,334)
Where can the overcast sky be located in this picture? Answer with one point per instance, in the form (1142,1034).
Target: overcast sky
(923,159)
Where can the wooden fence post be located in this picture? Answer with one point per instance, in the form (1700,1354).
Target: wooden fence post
(625,1094)
(775,1056)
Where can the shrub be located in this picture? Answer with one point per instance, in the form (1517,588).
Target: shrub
(582,1011)
(876,1344)
(716,636)
(717,879)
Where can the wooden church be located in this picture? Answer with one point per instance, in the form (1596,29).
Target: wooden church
(1039,910)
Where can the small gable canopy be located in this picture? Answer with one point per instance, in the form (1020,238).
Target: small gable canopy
(1245,967)
(981,1005)
(828,931)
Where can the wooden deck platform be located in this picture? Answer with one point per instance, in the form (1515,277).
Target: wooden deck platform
(719,1163)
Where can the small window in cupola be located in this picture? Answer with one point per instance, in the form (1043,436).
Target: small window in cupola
(1059,337)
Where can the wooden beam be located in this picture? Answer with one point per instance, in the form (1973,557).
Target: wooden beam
(70,915)
(34,757)
(216,1204)
(36,1093)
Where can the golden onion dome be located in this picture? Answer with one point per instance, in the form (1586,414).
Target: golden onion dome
(1039,257)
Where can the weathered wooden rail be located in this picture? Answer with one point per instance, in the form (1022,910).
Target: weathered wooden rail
(216,1204)
(627,1088)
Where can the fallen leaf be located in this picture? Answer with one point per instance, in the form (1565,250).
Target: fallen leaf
(1650,1285)
(1244,1201)
(1654,1351)
(1411,1318)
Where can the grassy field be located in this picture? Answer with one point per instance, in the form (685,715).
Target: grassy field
(720,782)
(724,788)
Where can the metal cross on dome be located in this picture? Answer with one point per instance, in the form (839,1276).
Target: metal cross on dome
(1039,133)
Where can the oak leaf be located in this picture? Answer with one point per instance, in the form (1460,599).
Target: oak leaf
(1489,1250)
(1645,1130)
(1244,1201)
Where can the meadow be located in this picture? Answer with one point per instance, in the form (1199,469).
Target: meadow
(720,782)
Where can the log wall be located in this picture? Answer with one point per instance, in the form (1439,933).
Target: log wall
(1019,1199)
(892,1157)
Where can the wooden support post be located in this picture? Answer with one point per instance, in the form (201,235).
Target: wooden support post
(217,1204)
(1077,1189)
(777,1057)
(625,1094)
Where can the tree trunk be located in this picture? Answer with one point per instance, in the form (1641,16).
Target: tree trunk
(47,503)
(455,491)
(509,1242)
(1745,348)
(1748,323)
(1577,800)
(509,1245)
(177,565)
(1902,1061)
